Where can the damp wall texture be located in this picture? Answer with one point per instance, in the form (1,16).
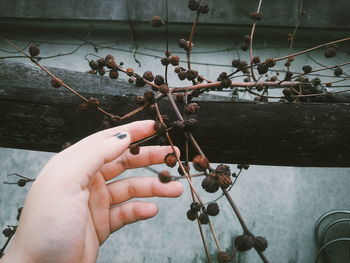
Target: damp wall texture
(280,203)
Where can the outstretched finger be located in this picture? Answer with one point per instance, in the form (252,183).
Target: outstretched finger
(129,213)
(138,187)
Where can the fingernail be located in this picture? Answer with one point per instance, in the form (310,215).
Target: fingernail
(120,135)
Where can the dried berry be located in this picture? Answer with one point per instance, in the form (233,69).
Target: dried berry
(93,64)
(159,80)
(187,169)
(139,81)
(93,102)
(134,149)
(130,72)
(191,74)
(210,184)
(84,107)
(110,62)
(165,61)
(270,62)
(101,62)
(157,21)
(330,51)
(7,232)
(256,16)
(182,75)
(191,215)
(164,177)
(203,218)
(164,88)
(34,51)
(273,78)
(338,71)
(21,182)
(101,71)
(131,80)
(167,53)
(177,69)
(160,127)
(183,44)
(259,87)
(223,169)
(244,46)
(316,82)
(287,64)
(213,209)
(174,60)
(288,76)
(170,159)
(246,38)
(114,74)
(236,63)
(192,108)
(223,257)
(193,5)
(195,207)
(200,79)
(262,68)
(204,9)
(148,95)
(256,60)
(224,180)
(244,242)
(307,69)
(56,83)
(180,97)
(225,81)
(260,244)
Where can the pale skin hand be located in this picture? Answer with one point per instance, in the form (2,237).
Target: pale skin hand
(70,210)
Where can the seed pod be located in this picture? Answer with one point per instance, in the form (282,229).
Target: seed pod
(93,102)
(200,78)
(203,218)
(7,232)
(114,74)
(93,64)
(21,182)
(134,149)
(260,244)
(223,169)
(193,5)
(182,75)
(177,69)
(34,51)
(338,71)
(256,60)
(148,75)
(244,46)
(204,9)
(191,74)
(307,69)
(243,166)
(55,83)
(191,215)
(165,61)
(167,53)
(256,16)
(174,60)
(287,64)
(236,63)
(164,177)
(244,242)
(224,180)
(110,62)
(210,184)
(259,87)
(159,80)
(130,72)
(187,169)
(157,21)
(330,52)
(273,78)
(160,127)
(223,257)
(170,159)
(183,44)
(192,108)
(200,163)
(213,209)
(270,62)
(195,207)
(148,95)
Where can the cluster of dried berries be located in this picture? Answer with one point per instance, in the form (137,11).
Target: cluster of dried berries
(240,65)
(221,177)
(164,177)
(225,81)
(98,66)
(263,68)
(247,241)
(89,104)
(212,209)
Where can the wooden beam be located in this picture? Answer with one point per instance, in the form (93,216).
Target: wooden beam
(36,116)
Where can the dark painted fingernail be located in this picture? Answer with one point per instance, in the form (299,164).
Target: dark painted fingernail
(120,135)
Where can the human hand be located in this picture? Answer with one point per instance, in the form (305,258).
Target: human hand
(70,210)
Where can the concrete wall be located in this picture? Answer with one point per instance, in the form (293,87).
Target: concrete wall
(280,203)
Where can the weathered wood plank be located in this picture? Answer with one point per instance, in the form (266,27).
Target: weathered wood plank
(36,116)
